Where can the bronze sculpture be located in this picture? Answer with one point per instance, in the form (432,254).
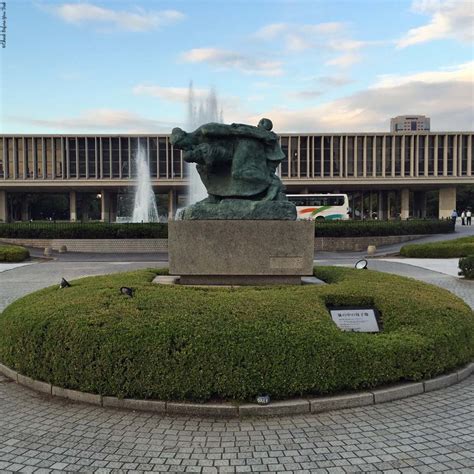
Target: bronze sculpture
(237,164)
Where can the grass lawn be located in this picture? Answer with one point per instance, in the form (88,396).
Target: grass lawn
(445,249)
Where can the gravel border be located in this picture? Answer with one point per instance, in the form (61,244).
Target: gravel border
(230,410)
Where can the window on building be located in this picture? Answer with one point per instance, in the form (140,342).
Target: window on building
(20,157)
(48,171)
(153,158)
(81,143)
(398,155)
(105,152)
(336,149)
(12,166)
(350,156)
(450,154)
(408,157)
(124,141)
(58,157)
(29,158)
(388,155)
(327,156)
(133,153)
(413,126)
(294,157)
(464,149)
(317,156)
(38,156)
(360,156)
(71,156)
(378,155)
(162,156)
(440,154)
(421,155)
(176,163)
(2,145)
(91,144)
(431,154)
(115,157)
(303,157)
(370,155)
(284,163)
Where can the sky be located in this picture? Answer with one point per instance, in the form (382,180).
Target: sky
(308,65)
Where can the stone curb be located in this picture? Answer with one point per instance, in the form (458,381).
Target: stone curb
(228,410)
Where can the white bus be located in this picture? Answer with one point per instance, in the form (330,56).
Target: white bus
(321,206)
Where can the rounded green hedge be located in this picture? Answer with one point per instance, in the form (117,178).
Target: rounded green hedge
(86,230)
(194,343)
(466,267)
(366,228)
(445,249)
(13,253)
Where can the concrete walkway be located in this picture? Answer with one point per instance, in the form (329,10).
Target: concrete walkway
(448,266)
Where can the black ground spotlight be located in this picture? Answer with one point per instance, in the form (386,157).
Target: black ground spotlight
(263,399)
(361,265)
(64,284)
(125,290)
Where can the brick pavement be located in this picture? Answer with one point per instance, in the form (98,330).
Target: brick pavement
(433,432)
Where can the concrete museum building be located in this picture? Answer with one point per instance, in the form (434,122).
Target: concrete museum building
(384,174)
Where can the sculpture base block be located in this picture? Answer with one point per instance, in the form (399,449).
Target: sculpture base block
(239,280)
(240,209)
(257,252)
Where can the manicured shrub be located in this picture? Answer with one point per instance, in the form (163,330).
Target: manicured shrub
(101,230)
(13,253)
(195,343)
(381,228)
(73,230)
(445,249)
(466,267)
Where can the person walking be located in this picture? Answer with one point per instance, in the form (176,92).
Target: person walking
(454,216)
(463,217)
(468,216)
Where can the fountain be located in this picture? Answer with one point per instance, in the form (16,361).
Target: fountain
(207,111)
(144,209)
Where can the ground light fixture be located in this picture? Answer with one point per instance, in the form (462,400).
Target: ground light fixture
(263,399)
(361,265)
(125,290)
(64,284)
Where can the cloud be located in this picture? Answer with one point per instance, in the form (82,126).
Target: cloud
(233,60)
(305,94)
(447,99)
(271,31)
(462,72)
(298,37)
(99,120)
(333,81)
(138,20)
(449,19)
(331,37)
(172,94)
(344,60)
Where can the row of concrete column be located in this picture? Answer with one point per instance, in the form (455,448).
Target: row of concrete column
(447,202)
(410,204)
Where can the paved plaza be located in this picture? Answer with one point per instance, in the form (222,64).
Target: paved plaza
(432,432)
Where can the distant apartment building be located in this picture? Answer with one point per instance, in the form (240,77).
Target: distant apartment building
(409,123)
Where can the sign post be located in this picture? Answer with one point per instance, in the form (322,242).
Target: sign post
(356,319)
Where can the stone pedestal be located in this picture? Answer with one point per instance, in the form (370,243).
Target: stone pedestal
(232,252)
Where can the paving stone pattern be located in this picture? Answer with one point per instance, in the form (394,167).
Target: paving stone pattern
(433,432)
